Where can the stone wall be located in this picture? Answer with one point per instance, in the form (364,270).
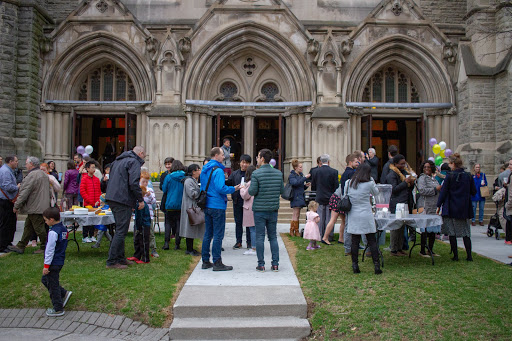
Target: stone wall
(8,59)
(444,11)
(60,9)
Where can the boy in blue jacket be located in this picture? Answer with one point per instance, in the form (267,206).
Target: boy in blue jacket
(54,256)
(141,232)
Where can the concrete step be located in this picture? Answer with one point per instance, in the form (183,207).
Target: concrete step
(240,301)
(265,328)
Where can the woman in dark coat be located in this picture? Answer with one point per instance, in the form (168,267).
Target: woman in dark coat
(455,204)
(400,177)
(297,180)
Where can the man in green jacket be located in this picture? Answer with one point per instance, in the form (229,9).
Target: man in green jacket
(266,188)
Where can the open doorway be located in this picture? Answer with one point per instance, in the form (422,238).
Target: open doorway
(268,135)
(231,127)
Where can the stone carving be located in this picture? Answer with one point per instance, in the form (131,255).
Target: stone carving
(185,45)
(396,8)
(102,6)
(45,45)
(346,46)
(152,45)
(452,111)
(313,46)
(249,66)
(449,52)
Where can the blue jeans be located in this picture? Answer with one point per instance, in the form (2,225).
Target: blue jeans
(215,225)
(253,235)
(480,211)
(266,221)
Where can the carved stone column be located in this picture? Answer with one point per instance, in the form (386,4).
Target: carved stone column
(50,133)
(189,137)
(249,115)
(295,135)
(65,135)
(195,134)
(202,135)
(57,122)
(159,80)
(300,137)
(138,134)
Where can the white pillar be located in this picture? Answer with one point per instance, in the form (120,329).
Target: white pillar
(144,132)
(138,136)
(294,136)
(65,135)
(43,128)
(300,136)
(189,138)
(446,129)
(249,132)
(57,135)
(438,128)
(307,141)
(358,133)
(202,135)
(49,133)
(195,139)
(159,80)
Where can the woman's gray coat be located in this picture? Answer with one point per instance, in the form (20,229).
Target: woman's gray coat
(428,193)
(360,219)
(190,194)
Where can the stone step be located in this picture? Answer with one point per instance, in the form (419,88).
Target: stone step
(265,328)
(240,301)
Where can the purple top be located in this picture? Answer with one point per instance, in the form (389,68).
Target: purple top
(70,183)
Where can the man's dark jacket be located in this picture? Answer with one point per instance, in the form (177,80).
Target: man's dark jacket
(325,180)
(385,172)
(123,184)
(235,179)
(401,192)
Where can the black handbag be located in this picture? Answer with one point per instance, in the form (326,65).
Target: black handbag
(201,199)
(344,204)
(195,216)
(287,192)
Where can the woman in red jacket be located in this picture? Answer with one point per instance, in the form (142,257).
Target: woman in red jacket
(90,190)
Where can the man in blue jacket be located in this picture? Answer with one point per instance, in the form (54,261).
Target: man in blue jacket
(215,213)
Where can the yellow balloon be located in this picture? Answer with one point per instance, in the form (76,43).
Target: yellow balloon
(436,149)
(442,154)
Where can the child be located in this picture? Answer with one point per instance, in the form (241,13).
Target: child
(311,231)
(141,234)
(150,200)
(248,217)
(54,261)
(102,229)
(90,190)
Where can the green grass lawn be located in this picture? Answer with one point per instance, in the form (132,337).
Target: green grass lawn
(411,300)
(142,292)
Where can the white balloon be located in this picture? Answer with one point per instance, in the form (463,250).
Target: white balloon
(89,149)
(442,144)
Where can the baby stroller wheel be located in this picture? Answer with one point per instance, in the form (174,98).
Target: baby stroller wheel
(490,232)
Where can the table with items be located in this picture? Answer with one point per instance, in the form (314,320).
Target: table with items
(416,223)
(74,221)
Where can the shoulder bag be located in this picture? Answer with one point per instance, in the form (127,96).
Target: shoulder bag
(287,192)
(195,216)
(201,199)
(344,204)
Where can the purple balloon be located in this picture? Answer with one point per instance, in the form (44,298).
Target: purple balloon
(80,149)
(84,155)
(448,152)
(431,159)
(432,142)
(272,162)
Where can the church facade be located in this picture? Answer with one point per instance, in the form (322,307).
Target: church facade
(120,72)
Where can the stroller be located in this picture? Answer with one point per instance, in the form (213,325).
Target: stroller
(494,224)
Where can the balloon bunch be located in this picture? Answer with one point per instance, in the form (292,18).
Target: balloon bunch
(85,151)
(440,151)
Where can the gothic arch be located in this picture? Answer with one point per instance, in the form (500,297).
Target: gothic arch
(237,39)
(429,73)
(89,51)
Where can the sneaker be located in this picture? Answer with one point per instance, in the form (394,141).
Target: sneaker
(192,253)
(34,243)
(387,249)
(250,252)
(50,312)
(39,252)
(207,265)
(141,262)
(309,248)
(361,247)
(318,247)
(508,242)
(237,246)
(260,268)
(219,266)
(85,240)
(93,239)
(133,259)
(117,266)
(275,268)
(66,298)
(15,249)
(401,253)
(423,254)
(154,254)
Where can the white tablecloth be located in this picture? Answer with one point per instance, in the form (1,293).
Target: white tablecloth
(421,222)
(87,220)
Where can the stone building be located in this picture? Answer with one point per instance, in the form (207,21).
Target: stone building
(119,72)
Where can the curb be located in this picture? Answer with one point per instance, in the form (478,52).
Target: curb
(83,323)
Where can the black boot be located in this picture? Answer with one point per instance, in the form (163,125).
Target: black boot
(375,257)
(354,252)
(467,245)
(453,245)
(166,245)
(218,266)
(355,268)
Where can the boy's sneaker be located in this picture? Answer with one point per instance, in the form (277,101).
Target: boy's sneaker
(66,298)
(141,262)
(93,239)
(133,259)
(50,312)
(154,254)
(275,268)
(250,252)
(260,268)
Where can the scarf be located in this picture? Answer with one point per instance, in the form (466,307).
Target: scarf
(407,169)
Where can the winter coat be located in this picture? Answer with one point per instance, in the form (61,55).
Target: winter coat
(70,183)
(385,172)
(325,180)
(123,186)
(359,220)
(236,179)
(227,156)
(248,219)
(455,195)
(478,183)
(297,181)
(173,188)
(216,196)
(190,194)
(508,204)
(55,188)
(90,189)
(142,218)
(266,188)
(401,192)
(347,174)
(374,164)
(34,195)
(428,193)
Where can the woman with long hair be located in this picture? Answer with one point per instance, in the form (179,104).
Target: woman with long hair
(359,220)
(173,189)
(454,203)
(298,181)
(191,192)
